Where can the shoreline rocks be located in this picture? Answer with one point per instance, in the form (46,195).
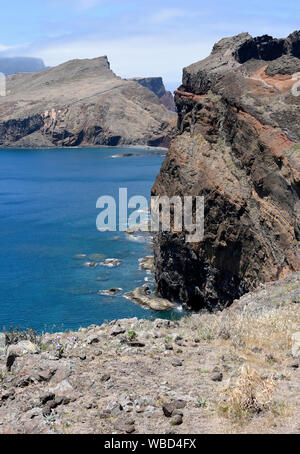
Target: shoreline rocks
(147,263)
(110,292)
(142,295)
(111,263)
(156,375)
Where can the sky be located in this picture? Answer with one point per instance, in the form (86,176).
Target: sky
(140,37)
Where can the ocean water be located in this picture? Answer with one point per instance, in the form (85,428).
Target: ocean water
(48,216)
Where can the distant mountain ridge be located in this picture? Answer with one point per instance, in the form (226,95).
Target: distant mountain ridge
(156,85)
(81,103)
(15,65)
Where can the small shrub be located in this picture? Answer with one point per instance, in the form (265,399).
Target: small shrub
(131,335)
(15,335)
(202,402)
(249,396)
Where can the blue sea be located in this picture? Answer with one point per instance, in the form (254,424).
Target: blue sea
(48,217)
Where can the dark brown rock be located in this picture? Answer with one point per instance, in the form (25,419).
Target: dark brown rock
(168,409)
(238,146)
(177,420)
(156,85)
(217,377)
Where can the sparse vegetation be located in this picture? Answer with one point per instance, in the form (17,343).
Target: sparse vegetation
(15,335)
(250,395)
(131,335)
(238,369)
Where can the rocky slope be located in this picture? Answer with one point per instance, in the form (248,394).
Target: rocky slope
(156,85)
(80,103)
(232,371)
(238,145)
(14,65)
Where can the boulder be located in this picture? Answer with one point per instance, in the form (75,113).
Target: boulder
(20,349)
(143,296)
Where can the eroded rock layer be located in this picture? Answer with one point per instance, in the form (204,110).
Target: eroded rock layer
(238,145)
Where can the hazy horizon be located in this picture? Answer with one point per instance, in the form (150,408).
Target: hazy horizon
(158,38)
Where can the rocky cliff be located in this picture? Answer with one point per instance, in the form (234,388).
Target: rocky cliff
(238,145)
(156,85)
(81,103)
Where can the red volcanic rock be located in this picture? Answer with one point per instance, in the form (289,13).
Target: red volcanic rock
(238,145)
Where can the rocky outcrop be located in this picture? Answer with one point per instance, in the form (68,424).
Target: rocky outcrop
(156,85)
(144,297)
(14,65)
(81,103)
(238,145)
(159,376)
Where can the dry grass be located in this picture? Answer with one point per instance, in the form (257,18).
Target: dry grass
(256,345)
(249,396)
(269,330)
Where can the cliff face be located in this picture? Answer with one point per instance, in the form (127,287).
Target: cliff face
(81,103)
(238,145)
(156,85)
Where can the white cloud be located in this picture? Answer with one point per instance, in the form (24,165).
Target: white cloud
(166,15)
(132,56)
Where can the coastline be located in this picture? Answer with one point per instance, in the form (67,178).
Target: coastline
(42,147)
(161,376)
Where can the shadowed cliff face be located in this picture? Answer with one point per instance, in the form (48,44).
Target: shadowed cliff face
(81,103)
(156,85)
(238,145)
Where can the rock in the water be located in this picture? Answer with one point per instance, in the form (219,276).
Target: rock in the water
(142,296)
(111,263)
(111,292)
(147,263)
(91,264)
